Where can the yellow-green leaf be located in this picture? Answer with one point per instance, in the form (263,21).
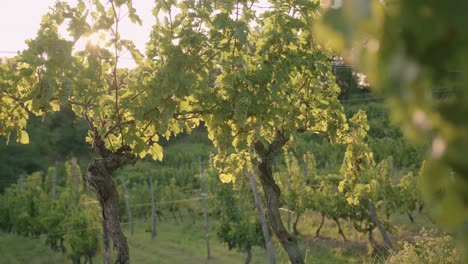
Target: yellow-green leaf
(226,178)
(55,106)
(23,137)
(156,152)
(142,154)
(341,186)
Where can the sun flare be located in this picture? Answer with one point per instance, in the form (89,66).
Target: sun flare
(96,39)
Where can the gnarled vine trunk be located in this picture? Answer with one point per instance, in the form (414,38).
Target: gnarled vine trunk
(317,233)
(296,222)
(105,240)
(99,178)
(340,230)
(248,251)
(272,195)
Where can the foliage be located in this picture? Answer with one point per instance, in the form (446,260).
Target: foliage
(385,139)
(368,186)
(87,79)
(170,193)
(328,156)
(295,182)
(85,242)
(29,209)
(23,201)
(56,137)
(357,162)
(125,110)
(364,179)
(13,115)
(330,202)
(407,197)
(414,54)
(256,79)
(238,225)
(428,247)
(279,65)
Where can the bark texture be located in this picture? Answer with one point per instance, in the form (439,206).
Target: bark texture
(272,195)
(99,179)
(296,222)
(105,239)
(248,251)
(340,230)
(317,233)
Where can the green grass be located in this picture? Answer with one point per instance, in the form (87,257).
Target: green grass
(17,250)
(175,243)
(184,243)
(330,247)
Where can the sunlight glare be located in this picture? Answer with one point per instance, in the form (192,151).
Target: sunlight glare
(96,39)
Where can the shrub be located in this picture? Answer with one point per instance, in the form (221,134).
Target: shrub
(429,247)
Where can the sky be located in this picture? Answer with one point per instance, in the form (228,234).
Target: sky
(20,19)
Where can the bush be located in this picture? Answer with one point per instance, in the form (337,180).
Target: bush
(429,247)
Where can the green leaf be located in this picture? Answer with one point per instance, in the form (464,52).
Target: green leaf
(132,14)
(130,46)
(222,20)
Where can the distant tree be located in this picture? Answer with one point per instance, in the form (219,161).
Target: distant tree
(57,137)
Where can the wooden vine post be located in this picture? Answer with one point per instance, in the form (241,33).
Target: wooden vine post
(54,181)
(153,208)
(266,234)
(205,213)
(127,204)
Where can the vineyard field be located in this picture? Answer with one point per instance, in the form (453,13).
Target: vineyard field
(176,243)
(184,243)
(260,131)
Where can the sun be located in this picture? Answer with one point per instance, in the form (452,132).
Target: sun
(96,38)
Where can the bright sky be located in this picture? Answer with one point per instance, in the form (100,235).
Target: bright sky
(20,19)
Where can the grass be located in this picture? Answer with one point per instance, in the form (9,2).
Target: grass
(175,243)
(17,250)
(183,243)
(330,247)
(178,242)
